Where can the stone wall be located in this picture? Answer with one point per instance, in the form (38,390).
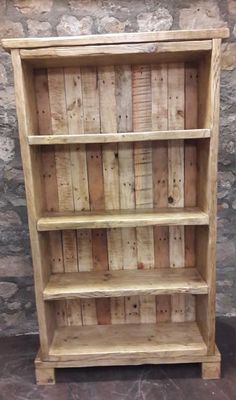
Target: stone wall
(20,18)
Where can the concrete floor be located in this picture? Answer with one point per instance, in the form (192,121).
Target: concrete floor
(170,382)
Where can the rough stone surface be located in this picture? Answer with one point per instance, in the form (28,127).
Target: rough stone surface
(71,26)
(7,146)
(10,29)
(202,14)
(29,7)
(111,25)
(7,289)
(229,56)
(41,29)
(159,20)
(20,18)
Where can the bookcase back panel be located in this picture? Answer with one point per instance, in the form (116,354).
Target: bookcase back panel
(80,177)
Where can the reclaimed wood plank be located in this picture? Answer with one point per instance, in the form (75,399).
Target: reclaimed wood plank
(116,38)
(142,120)
(126,180)
(119,283)
(119,137)
(190,174)
(160,179)
(176,177)
(95,179)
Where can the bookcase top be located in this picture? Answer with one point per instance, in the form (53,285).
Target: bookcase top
(119,38)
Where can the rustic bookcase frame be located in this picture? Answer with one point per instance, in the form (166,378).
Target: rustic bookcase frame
(119,141)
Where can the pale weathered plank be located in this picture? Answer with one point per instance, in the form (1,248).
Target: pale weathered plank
(160,178)
(126,180)
(119,137)
(190,174)
(123,218)
(206,306)
(50,184)
(176,177)
(95,179)
(26,114)
(127,340)
(128,282)
(142,109)
(115,38)
(73,95)
(106,81)
(57,99)
(139,51)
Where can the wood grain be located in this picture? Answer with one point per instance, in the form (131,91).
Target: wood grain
(125,283)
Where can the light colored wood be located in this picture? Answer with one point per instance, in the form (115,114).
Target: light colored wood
(125,283)
(121,219)
(45,375)
(126,181)
(98,242)
(26,114)
(160,179)
(190,175)
(140,198)
(57,99)
(126,341)
(115,38)
(142,109)
(106,80)
(211,370)
(148,49)
(176,177)
(73,99)
(86,311)
(49,184)
(206,306)
(119,137)
(186,358)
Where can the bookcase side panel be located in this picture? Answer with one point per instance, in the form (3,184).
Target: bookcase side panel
(206,304)
(27,122)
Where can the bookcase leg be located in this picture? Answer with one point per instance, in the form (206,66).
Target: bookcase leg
(211,370)
(44,375)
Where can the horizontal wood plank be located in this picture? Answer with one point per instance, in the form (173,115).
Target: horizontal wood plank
(115,38)
(118,137)
(139,342)
(124,283)
(55,53)
(122,219)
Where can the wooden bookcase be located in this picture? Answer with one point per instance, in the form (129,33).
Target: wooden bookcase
(119,138)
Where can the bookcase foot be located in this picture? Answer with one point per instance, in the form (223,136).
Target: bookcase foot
(211,370)
(44,375)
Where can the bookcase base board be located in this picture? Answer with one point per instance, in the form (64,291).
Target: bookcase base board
(210,365)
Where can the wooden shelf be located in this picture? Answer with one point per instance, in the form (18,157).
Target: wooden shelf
(124,283)
(122,219)
(119,137)
(119,344)
(115,38)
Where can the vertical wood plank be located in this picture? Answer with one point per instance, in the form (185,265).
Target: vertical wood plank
(56,81)
(27,123)
(176,177)
(126,179)
(142,120)
(50,182)
(190,174)
(74,108)
(160,179)
(208,154)
(110,155)
(90,94)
